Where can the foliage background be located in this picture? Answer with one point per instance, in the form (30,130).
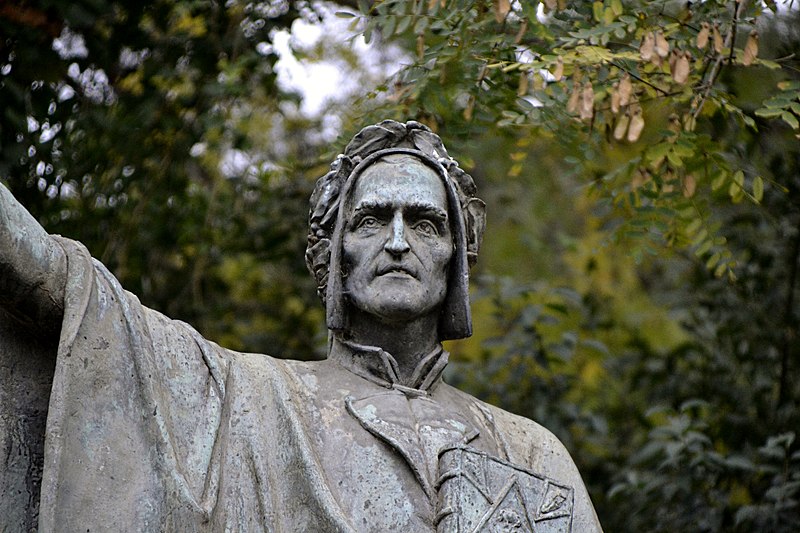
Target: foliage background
(637,290)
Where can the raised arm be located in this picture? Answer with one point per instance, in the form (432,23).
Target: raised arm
(33,268)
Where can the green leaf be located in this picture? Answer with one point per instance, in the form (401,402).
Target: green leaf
(790,119)
(616,7)
(597,11)
(758,188)
(718,181)
(768,113)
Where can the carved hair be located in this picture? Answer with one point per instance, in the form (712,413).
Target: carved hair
(388,134)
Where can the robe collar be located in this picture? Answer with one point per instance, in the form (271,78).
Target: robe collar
(379,367)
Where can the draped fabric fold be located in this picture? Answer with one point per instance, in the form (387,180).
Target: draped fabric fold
(150,427)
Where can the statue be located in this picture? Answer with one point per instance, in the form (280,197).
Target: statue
(134,422)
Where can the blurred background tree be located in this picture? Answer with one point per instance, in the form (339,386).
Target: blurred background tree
(637,291)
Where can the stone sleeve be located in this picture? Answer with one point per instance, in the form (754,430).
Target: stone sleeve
(32,269)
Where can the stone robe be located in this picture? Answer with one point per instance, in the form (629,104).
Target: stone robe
(150,427)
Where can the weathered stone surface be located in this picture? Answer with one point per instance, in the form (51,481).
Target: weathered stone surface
(150,427)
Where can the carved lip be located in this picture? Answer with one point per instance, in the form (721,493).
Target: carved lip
(395,269)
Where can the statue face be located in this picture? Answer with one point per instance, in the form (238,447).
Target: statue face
(397,241)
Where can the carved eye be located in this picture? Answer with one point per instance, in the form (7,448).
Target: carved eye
(426,228)
(369,222)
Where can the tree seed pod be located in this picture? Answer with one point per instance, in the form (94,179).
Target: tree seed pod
(625,90)
(636,126)
(702,36)
(674,123)
(750,49)
(661,45)
(572,103)
(622,127)
(587,101)
(647,47)
(523,28)
(673,58)
(522,90)
(681,71)
(615,98)
(689,185)
(718,44)
(558,71)
(501,9)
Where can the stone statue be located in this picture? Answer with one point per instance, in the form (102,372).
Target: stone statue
(130,421)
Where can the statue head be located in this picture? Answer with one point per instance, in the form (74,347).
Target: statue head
(388,163)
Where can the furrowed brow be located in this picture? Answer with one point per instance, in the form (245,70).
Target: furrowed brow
(430,210)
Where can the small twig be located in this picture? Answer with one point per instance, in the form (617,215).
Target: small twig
(634,76)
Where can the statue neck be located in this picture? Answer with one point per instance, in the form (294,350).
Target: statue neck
(408,342)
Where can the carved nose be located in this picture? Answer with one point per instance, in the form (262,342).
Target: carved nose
(396,244)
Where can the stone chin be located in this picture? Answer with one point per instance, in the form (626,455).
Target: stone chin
(395,298)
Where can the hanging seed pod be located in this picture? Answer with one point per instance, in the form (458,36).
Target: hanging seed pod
(469,109)
(673,58)
(587,101)
(501,9)
(615,98)
(674,123)
(625,90)
(572,103)
(702,36)
(522,90)
(750,49)
(521,33)
(647,47)
(622,126)
(636,125)
(718,44)
(661,45)
(558,71)
(681,71)
(432,4)
(689,185)
(420,46)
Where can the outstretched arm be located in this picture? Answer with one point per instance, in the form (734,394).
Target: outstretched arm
(33,268)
